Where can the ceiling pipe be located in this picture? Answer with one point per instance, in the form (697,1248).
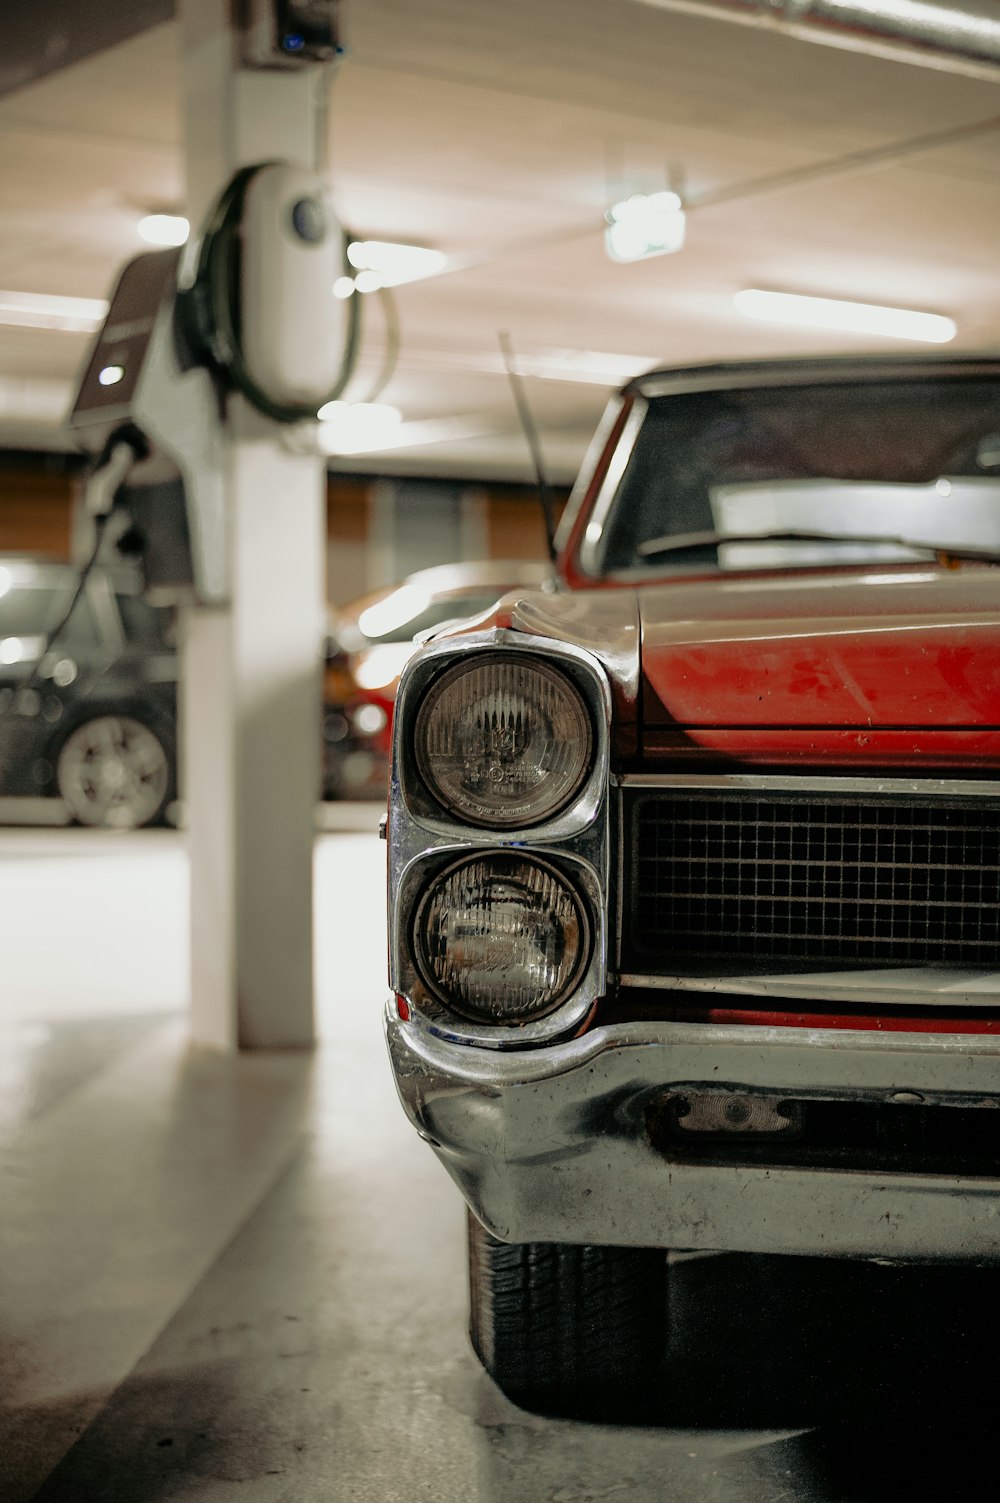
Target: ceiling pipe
(953,38)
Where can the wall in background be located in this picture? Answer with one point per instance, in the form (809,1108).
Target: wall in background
(36,504)
(378,529)
(381,529)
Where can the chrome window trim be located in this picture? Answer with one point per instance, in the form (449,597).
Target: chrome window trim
(591,460)
(590,546)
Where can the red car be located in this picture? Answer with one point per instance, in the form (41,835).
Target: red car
(695,864)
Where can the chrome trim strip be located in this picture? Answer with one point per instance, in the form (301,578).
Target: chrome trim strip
(740,782)
(928,986)
(422,838)
(845,1061)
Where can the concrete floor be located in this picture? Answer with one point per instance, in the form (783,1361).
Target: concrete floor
(246,1277)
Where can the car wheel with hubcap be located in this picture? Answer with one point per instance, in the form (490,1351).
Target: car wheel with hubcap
(566,1329)
(113,772)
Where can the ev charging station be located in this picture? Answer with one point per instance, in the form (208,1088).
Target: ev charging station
(207,360)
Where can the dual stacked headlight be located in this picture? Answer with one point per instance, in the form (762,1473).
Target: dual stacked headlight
(503,742)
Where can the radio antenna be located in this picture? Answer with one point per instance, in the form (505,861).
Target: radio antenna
(531,434)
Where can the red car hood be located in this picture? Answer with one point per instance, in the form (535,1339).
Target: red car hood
(900,667)
(897,667)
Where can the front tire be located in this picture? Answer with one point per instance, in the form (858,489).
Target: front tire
(567,1329)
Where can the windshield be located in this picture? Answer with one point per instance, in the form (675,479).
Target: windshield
(806,475)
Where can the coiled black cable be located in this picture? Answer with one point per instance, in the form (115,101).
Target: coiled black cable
(211,306)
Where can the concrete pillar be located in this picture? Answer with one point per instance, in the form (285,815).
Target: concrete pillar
(252,683)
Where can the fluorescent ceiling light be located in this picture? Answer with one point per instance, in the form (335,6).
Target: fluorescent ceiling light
(845,318)
(396,610)
(164,229)
(592,367)
(644,225)
(357,427)
(39,310)
(336,439)
(392,263)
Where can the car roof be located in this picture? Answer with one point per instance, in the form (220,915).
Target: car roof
(833,368)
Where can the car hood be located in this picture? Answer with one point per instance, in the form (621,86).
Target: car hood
(896,666)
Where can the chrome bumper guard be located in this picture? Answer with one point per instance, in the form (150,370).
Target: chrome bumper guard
(551,1145)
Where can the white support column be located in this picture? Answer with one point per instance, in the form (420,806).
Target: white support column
(252,685)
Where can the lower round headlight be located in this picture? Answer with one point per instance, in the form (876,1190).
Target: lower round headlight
(501,938)
(503,740)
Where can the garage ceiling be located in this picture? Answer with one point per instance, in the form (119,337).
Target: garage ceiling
(499,134)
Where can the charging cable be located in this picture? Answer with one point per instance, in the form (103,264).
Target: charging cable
(123,449)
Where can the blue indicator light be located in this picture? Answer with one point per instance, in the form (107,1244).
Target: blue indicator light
(294,42)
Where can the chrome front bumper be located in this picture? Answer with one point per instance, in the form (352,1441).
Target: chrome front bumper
(550,1144)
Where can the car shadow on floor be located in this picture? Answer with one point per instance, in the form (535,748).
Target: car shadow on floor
(887,1370)
(787,1342)
(882,1372)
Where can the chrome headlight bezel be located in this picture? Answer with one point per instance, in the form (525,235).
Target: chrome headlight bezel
(476,811)
(423,840)
(408,789)
(429,1010)
(419,935)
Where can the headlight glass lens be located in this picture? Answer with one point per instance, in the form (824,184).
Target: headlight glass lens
(501,939)
(503,741)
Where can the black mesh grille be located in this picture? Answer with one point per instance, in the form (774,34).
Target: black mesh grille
(774,879)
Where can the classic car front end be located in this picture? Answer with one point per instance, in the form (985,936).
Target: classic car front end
(695,909)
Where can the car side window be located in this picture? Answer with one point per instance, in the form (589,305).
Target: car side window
(29,614)
(147,625)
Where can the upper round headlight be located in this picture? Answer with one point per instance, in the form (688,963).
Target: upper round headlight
(501,938)
(503,740)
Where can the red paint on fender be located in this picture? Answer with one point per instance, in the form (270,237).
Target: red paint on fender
(783,668)
(895,1022)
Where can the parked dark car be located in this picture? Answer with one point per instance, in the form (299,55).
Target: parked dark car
(93,720)
(92,723)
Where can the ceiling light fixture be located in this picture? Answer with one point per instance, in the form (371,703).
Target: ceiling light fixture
(164,229)
(644,225)
(357,427)
(337,439)
(592,367)
(394,263)
(844,317)
(369,280)
(40,310)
